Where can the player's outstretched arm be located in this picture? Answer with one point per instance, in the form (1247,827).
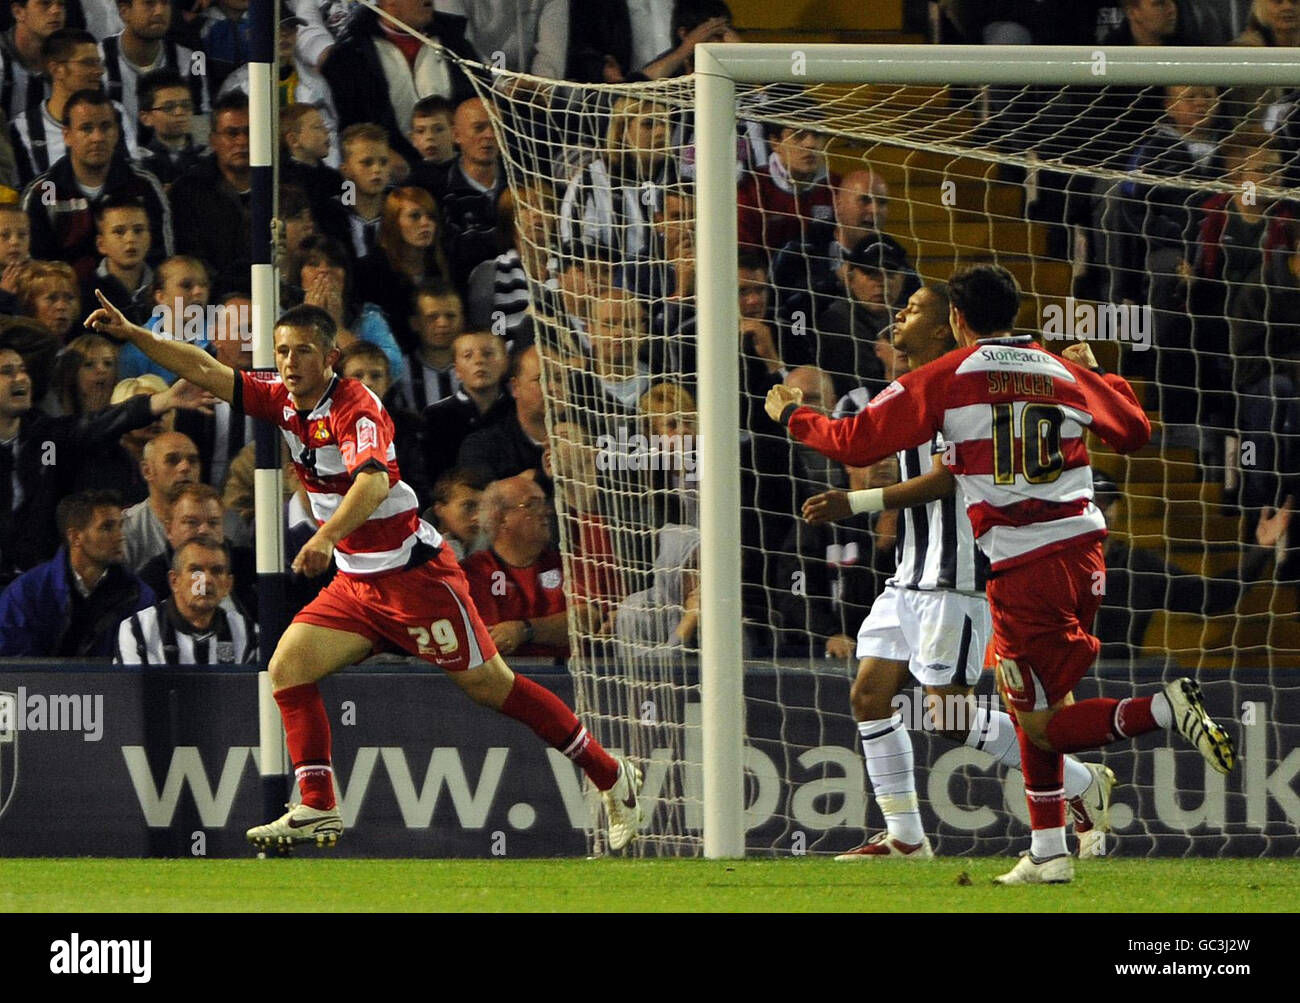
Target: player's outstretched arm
(188,361)
(832,505)
(1116,414)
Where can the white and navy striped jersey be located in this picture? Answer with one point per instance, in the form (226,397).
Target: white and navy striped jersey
(157,635)
(20,89)
(935,547)
(348,431)
(122,77)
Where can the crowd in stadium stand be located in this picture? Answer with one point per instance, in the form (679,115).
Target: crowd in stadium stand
(467,305)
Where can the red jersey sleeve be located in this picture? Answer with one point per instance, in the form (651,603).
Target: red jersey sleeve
(260,396)
(1116,414)
(363,431)
(907,412)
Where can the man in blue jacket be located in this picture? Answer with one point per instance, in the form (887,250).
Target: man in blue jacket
(70,607)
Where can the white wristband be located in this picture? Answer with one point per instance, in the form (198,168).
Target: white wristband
(870,500)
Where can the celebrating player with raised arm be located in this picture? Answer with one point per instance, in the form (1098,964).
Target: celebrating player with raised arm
(1013,417)
(932,622)
(397,586)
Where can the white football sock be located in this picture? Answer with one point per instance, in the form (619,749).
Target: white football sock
(1161,711)
(888,750)
(995,733)
(1044,843)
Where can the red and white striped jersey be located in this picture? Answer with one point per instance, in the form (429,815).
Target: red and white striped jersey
(1013,417)
(346,432)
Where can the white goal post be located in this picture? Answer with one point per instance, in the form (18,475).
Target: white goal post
(718,69)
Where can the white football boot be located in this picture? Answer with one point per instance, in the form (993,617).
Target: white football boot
(1093,805)
(623,807)
(1028,871)
(300,824)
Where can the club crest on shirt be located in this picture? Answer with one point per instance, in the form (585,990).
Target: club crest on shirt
(367,435)
(319,432)
(225,651)
(550,579)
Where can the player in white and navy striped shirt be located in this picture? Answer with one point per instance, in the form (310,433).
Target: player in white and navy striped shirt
(932,622)
(197,624)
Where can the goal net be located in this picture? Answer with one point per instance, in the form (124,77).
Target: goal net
(1141,207)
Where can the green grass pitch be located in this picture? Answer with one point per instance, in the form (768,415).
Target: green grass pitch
(312,881)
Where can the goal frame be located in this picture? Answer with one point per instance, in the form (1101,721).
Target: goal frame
(719,67)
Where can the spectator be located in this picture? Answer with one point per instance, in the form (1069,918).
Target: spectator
(1271,22)
(479,402)
(514,444)
(237,491)
(195,513)
(498,297)
(48,294)
(594,565)
(518,583)
(30,484)
(618,334)
(876,279)
(122,237)
(84,376)
(468,192)
(306,136)
(210,202)
(225,39)
(299,227)
(693,22)
(181,289)
(326,277)
(218,431)
(143,47)
(667,614)
(368,363)
(291,87)
(61,202)
(170,459)
(167,113)
(407,253)
(779,203)
(601,40)
(1148,22)
(70,606)
(457,495)
(809,275)
(116,466)
(192,626)
(530,37)
(438,319)
(22,63)
(583,274)
(37,133)
(15,251)
(1237,227)
(377,73)
(367,167)
(431,137)
(612,200)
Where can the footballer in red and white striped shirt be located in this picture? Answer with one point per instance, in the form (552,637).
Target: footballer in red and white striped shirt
(1013,416)
(397,587)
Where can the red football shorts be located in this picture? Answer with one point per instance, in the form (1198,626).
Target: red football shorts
(1042,621)
(424,611)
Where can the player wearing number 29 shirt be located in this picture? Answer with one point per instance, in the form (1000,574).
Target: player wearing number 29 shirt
(398,587)
(1013,417)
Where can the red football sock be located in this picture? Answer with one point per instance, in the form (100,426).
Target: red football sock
(1044,784)
(1090,724)
(559,727)
(307,730)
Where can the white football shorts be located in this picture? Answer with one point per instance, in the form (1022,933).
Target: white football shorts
(942,635)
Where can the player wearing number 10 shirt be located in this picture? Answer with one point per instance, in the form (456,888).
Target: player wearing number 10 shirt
(1013,417)
(398,586)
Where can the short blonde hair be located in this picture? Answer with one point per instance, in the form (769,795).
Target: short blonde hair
(39,277)
(146,383)
(666,397)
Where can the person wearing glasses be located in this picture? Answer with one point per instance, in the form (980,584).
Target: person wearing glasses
(73,63)
(210,201)
(167,113)
(61,203)
(141,47)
